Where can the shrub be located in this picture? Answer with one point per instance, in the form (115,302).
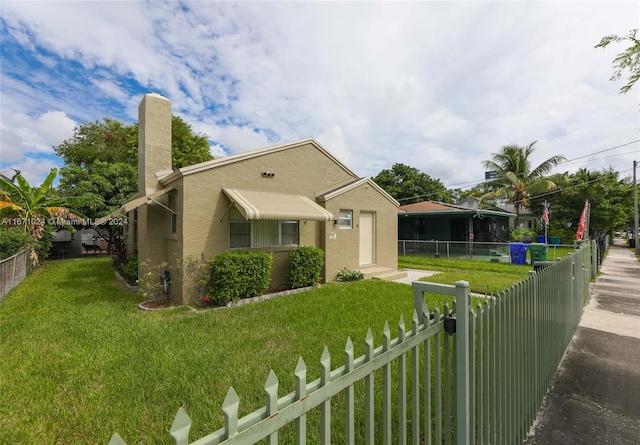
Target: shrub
(346,275)
(155,281)
(129,270)
(195,275)
(126,264)
(239,274)
(306,265)
(521,234)
(12,241)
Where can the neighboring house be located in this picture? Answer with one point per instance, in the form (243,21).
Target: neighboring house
(428,220)
(273,199)
(68,244)
(528,220)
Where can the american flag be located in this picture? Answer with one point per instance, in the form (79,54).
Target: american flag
(545,214)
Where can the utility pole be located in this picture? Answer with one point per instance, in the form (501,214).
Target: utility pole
(635,208)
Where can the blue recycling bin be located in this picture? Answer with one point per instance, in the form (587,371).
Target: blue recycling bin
(518,252)
(541,239)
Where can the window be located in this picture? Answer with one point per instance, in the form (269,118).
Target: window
(260,233)
(240,234)
(288,233)
(173,218)
(346,219)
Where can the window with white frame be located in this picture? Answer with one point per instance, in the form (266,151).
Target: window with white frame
(260,233)
(346,219)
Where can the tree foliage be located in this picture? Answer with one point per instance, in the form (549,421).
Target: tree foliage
(408,185)
(516,181)
(112,141)
(611,201)
(629,59)
(102,161)
(34,208)
(187,147)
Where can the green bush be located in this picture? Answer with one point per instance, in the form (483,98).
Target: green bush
(306,265)
(522,234)
(241,274)
(129,270)
(126,264)
(12,241)
(345,275)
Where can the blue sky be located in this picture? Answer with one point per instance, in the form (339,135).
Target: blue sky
(436,85)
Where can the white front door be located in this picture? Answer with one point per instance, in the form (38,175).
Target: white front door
(367,238)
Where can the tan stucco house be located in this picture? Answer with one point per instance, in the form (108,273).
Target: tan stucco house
(272,199)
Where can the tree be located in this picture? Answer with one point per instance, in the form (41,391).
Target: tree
(629,59)
(102,161)
(408,185)
(187,147)
(515,181)
(34,208)
(611,202)
(111,141)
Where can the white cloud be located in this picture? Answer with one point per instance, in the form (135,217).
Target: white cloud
(33,170)
(23,135)
(333,140)
(436,85)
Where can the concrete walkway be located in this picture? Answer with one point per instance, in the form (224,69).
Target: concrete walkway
(595,395)
(415,275)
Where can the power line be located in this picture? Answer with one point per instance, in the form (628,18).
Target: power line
(598,152)
(543,194)
(572,186)
(567,162)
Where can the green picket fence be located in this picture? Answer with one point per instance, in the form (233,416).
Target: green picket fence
(482,385)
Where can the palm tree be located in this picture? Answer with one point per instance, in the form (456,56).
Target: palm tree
(515,181)
(32,208)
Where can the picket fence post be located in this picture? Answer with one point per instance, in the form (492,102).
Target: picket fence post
(462,375)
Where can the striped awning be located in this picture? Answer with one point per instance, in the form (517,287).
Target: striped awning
(277,206)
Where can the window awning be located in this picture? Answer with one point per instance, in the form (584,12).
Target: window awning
(132,205)
(277,206)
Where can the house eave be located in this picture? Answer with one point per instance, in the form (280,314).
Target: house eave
(469,212)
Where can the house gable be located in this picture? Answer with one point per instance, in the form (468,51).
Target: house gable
(240,157)
(326,195)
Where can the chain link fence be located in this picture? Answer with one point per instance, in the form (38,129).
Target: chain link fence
(12,271)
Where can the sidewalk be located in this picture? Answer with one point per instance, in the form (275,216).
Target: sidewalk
(595,395)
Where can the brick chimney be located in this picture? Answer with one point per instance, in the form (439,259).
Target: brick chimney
(154,141)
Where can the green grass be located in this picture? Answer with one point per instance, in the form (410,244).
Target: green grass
(80,361)
(484,277)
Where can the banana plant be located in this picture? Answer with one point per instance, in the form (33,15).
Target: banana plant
(33,207)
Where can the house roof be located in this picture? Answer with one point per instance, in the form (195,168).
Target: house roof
(219,162)
(508,207)
(431,208)
(254,204)
(428,206)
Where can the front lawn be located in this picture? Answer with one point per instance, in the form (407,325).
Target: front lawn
(80,361)
(484,277)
